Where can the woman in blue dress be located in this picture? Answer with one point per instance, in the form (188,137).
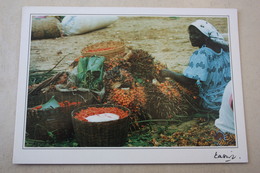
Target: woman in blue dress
(209,66)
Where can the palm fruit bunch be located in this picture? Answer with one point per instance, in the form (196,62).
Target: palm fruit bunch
(122,88)
(169,99)
(159,105)
(117,74)
(118,78)
(190,94)
(142,65)
(174,90)
(133,98)
(168,89)
(116,62)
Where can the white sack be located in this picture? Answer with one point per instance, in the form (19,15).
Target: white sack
(102,117)
(73,25)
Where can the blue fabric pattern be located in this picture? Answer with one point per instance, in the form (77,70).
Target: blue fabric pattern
(212,72)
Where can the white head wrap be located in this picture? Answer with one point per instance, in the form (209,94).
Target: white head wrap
(210,31)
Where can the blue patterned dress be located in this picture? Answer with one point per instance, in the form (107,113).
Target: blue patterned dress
(212,72)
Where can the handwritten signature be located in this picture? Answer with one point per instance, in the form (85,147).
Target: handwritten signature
(224,156)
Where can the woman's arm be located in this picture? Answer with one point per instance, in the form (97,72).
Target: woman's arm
(178,77)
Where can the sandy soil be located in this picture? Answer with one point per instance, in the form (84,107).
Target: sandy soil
(164,38)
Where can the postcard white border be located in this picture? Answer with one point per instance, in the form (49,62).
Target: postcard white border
(129,155)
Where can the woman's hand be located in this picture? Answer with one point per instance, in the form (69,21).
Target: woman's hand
(165,73)
(177,77)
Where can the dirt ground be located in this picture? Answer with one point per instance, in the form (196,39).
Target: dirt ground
(164,38)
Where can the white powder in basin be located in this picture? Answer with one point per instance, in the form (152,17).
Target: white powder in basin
(102,117)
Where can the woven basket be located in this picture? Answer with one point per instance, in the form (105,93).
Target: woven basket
(117,48)
(101,134)
(53,124)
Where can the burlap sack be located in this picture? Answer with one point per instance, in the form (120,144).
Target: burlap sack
(43,28)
